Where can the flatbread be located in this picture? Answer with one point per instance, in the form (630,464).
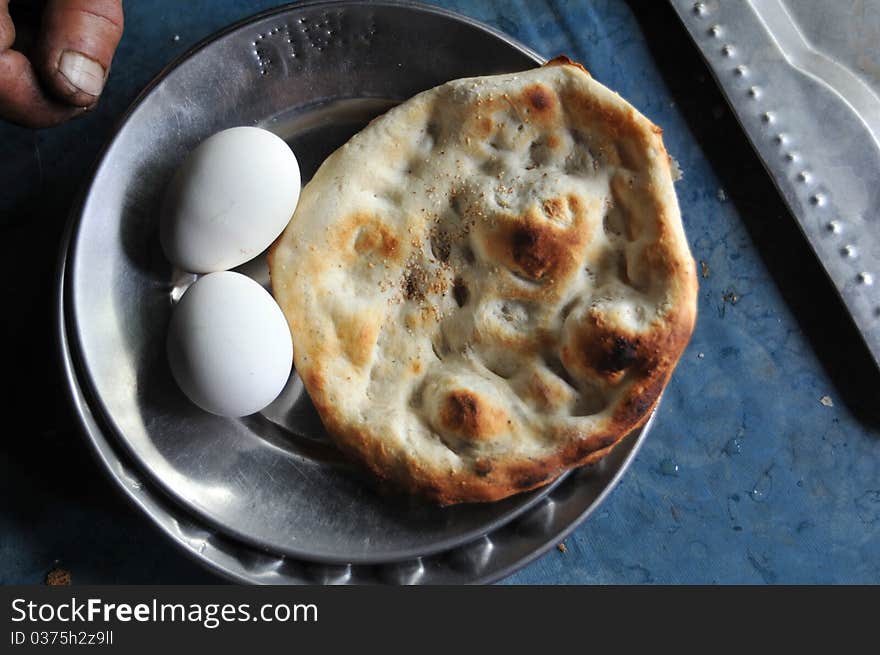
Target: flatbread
(490,284)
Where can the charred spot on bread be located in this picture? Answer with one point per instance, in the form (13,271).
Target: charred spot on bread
(466,414)
(539,98)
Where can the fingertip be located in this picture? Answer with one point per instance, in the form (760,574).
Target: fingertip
(84,76)
(21,98)
(78,41)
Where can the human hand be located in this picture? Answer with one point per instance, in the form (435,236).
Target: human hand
(63,73)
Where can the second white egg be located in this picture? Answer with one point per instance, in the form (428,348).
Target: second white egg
(231,198)
(229,345)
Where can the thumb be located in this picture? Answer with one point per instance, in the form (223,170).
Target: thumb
(22,100)
(77,43)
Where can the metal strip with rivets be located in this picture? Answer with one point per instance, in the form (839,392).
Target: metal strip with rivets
(804,81)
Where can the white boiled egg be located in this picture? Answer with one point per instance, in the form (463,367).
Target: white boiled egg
(229,345)
(231,198)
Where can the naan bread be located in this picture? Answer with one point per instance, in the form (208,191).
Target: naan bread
(490,284)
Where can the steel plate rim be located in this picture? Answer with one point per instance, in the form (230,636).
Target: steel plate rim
(79,393)
(563,534)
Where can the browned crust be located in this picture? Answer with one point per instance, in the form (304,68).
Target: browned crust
(540,100)
(535,249)
(563,60)
(464,413)
(644,363)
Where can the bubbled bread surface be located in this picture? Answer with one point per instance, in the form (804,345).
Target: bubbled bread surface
(490,284)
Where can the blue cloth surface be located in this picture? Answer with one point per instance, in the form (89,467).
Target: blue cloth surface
(747,476)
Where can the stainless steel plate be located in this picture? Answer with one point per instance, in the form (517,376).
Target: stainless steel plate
(272,483)
(803,77)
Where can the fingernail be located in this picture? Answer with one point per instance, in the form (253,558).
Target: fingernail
(84,73)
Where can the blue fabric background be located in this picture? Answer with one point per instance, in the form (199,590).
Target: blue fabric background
(746,477)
